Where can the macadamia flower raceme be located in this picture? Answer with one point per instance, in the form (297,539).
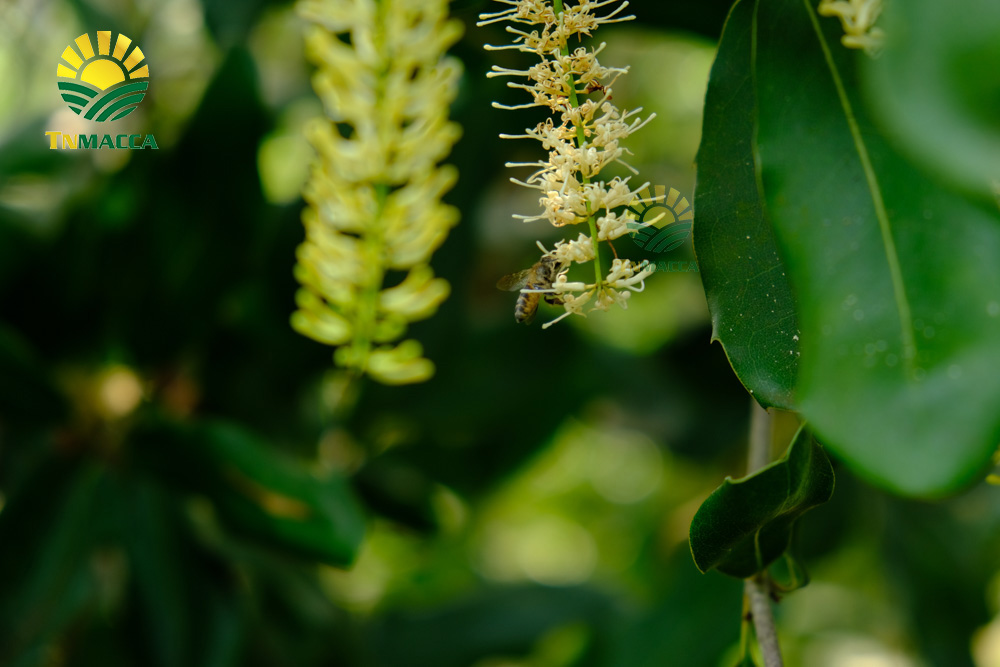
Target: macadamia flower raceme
(375,191)
(584,136)
(858,20)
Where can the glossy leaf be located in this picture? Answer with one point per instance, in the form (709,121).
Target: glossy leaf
(897,279)
(746,524)
(936,87)
(749,296)
(257,491)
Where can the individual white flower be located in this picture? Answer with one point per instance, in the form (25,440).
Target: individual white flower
(579,251)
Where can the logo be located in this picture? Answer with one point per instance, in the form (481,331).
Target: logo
(662,221)
(105,84)
(102,85)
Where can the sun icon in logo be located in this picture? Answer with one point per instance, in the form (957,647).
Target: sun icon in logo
(662,220)
(105,84)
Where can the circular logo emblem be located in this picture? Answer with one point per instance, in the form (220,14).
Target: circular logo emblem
(662,220)
(103,83)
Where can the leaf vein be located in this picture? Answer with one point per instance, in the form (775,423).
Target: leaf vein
(885,228)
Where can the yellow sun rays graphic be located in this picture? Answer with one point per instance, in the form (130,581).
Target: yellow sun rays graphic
(103,84)
(662,219)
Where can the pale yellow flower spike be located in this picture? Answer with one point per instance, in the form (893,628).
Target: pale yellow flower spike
(582,139)
(858,20)
(375,191)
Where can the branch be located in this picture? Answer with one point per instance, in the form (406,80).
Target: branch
(759,448)
(757,589)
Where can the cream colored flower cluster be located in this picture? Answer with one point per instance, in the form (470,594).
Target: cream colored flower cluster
(858,19)
(375,190)
(582,139)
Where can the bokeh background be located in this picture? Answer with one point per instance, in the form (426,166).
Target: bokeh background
(528,507)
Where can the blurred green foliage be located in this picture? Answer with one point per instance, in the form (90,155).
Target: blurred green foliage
(183,481)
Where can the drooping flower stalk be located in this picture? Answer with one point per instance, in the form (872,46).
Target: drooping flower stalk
(375,190)
(585,140)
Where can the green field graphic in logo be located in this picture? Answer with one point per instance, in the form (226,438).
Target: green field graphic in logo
(662,220)
(106,84)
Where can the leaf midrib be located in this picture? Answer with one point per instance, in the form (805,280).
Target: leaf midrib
(892,258)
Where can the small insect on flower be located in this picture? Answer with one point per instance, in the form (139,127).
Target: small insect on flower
(533,283)
(581,137)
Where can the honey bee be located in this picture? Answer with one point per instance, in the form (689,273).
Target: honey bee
(538,277)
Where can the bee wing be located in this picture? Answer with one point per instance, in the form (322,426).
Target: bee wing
(514,281)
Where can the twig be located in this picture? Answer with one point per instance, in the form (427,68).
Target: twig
(757,589)
(763,621)
(759,448)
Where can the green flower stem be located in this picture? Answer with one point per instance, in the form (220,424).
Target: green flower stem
(368,304)
(581,139)
(759,446)
(372,244)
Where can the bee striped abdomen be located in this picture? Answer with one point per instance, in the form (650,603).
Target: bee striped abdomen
(526,306)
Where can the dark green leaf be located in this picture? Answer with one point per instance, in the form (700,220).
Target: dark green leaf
(897,280)
(258,491)
(747,523)
(749,297)
(936,87)
(188,611)
(48,532)
(499,621)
